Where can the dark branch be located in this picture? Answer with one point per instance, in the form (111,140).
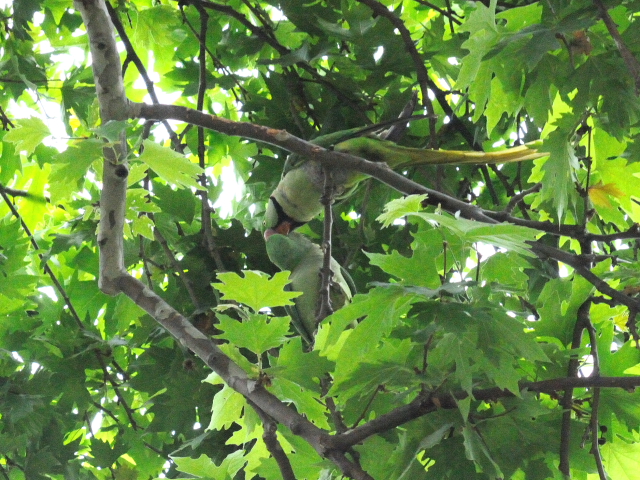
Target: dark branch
(428,402)
(632,63)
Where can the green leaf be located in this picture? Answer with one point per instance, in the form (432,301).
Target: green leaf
(226,409)
(255,289)
(28,134)
(70,169)
(171,166)
(382,309)
(396,209)
(304,400)
(621,459)
(420,269)
(559,169)
(388,369)
(258,333)
(303,368)
(144,226)
(511,237)
(105,453)
(506,269)
(204,467)
(476,450)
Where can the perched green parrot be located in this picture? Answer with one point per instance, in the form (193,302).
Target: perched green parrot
(296,199)
(304,259)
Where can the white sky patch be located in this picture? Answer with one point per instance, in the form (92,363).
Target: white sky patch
(38,18)
(96,423)
(49,292)
(276,14)
(477,190)
(485,250)
(232,192)
(563,271)
(17,357)
(378,53)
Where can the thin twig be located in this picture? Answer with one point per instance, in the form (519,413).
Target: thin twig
(47,268)
(205,210)
(175,265)
(594,423)
(325,385)
(567,399)
(116,388)
(450,15)
(324,299)
(518,197)
(632,63)
(135,59)
(270,438)
(421,71)
(595,430)
(378,389)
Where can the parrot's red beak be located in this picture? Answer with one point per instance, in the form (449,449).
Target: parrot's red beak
(283,228)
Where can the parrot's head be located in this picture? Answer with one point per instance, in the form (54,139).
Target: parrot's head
(277,221)
(287,251)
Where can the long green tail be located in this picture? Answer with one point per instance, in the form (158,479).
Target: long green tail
(377,150)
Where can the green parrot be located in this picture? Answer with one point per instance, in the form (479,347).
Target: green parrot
(304,259)
(296,199)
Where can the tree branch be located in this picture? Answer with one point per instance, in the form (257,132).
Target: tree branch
(428,402)
(632,63)
(381,172)
(423,76)
(324,307)
(113,106)
(567,398)
(270,439)
(229,371)
(135,59)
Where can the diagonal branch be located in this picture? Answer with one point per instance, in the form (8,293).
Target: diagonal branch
(632,62)
(113,277)
(423,76)
(135,59)
(429,402)
(273,445)
(381,172)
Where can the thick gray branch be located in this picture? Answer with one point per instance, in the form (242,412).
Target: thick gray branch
(107,73)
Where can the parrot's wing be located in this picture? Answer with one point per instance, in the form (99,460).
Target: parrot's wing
(342,287)
(350,283)
(296,319)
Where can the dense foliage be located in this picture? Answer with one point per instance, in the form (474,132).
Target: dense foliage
(496,341)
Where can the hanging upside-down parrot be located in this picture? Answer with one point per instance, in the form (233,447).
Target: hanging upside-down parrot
(304,259)
(296,199)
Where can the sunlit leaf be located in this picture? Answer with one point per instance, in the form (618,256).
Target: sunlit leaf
(170,165)
(28,134)
(255,289)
